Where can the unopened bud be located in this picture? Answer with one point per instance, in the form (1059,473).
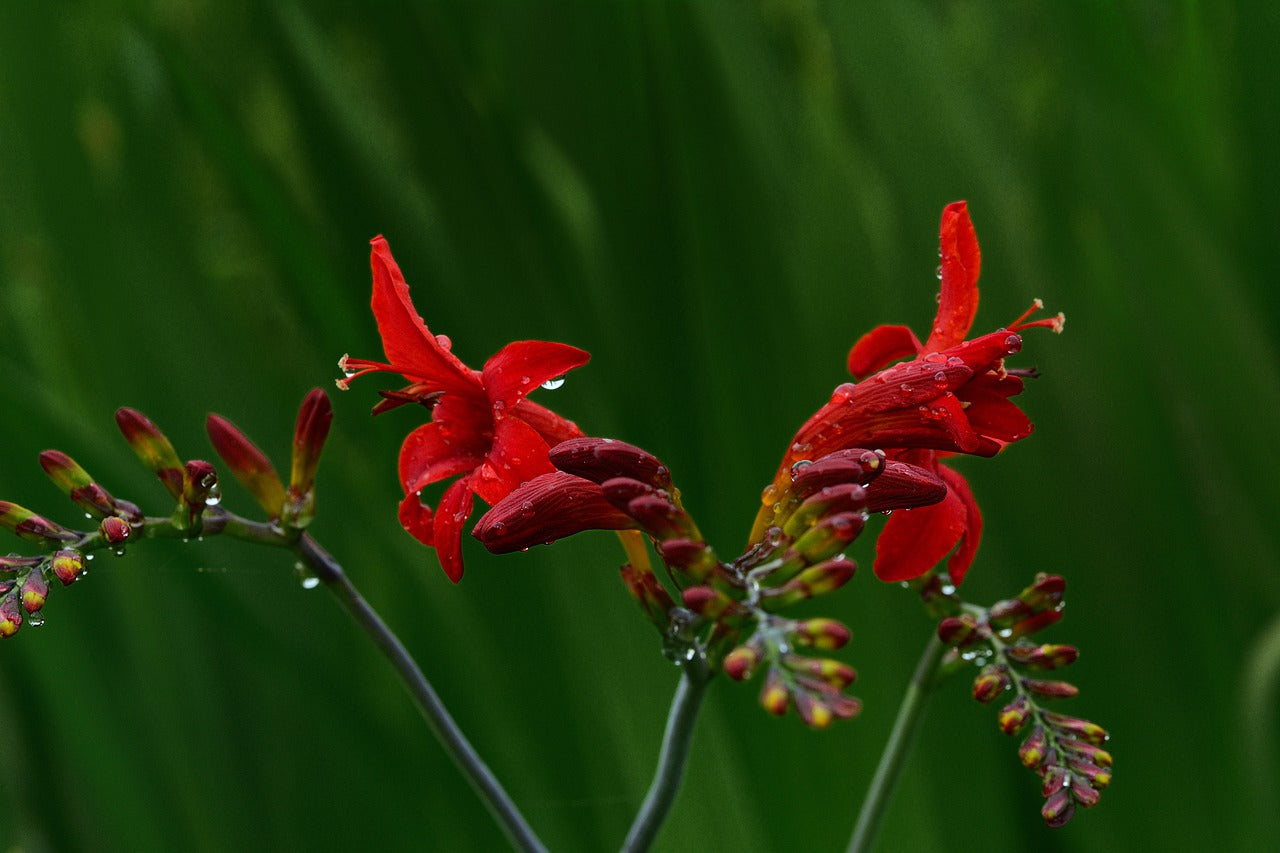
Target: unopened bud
(1058,808)
(820,633)
(1084,730)
(1051,689)
(76,483)
(1083,793)
(67,565)
(314,417)
(817,580)
(740,664)
(775,696)
(833,672)
(708,602)
(829,536)
(904,486)
(695,559)
(153,448)
(1099,777)
(10,615)
(827,501)
(649,592)
(958,631)
(1046,656)
(602,459)
(115,530)
(247,464)
(1014,716)
(814,712)
(30,526)
(34,589)
(1086,751)
(1034,749)
(991,682)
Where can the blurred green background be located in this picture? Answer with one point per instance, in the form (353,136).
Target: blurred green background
(716,200)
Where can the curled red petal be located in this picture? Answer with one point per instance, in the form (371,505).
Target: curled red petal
(915,540)
(452,513)
(961,261)
(519,367)
(417,518)
(553,428)
(958,565)
(410,347)
(880,347)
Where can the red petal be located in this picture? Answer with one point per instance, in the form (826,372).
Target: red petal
(454,510)
(992,415)
(553,428)
(519,367)
(518,455)
(430,454)
(958,565)
(416,517)
(915,540)
(880,347)
(410,347)
(961,260)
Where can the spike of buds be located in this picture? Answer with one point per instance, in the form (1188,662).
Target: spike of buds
(153,448)
(68,565)
(314,417)
(32,527)
(249,465)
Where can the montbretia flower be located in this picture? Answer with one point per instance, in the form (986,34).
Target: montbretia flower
(951,396)
(483,429)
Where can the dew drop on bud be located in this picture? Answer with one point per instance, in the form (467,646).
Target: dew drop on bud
(36,619)
(940,379)
(1012,344)
(553,384)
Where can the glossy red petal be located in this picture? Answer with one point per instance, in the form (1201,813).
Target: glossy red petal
(454,510)
(553,428)
(915,540)
(429,455)
(546,508)
(961,260)
(410,347)
(518,455)
(880,347)
(958,565)
(519,367)
(991,414)
(417,518)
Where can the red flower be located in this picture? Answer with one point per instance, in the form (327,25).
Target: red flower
(952,396)
(482,426)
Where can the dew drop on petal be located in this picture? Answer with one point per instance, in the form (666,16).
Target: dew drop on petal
(444,342)
(553,384)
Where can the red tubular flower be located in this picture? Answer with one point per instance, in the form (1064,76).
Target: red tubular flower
(951,396)
(483,429)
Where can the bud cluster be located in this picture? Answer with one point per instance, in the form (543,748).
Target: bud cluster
(1066,752)
(24,580)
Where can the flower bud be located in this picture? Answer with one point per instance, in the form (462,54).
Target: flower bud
(1086,751)
(115,530)
(34,590)
(602,459)
(548,507)
(991,682)
(1014,716)
(695,559)
(153,448)
(247,464)
(1046,656)
(773,697)
(30,526)
(904,486)
(314,417)
(1083,793)
(820,633)
(1034,749)
(958,631)
(652,596)
(1058,808)
(76,483)
(1084,730)
(827,501)
(708,602)
(833,672)
(829,537)
(854,465)
(10,615)
(818,580)
(1051,689)
(1099,777)
(814,712)
(740,664)
(68,565)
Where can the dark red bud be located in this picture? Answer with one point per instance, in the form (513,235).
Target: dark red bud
(1051,689)
(992,681)
(649,592)
(115,531)
(314,417)
(958,631)
(740,664)
(1014,716)
(247,464)
(152,447)
(10,615)
(601,459)
(820,633)
(853,465)
(1034,749)
(548,507)
(68,565)
(34,589)
(1058,808)
(904,486)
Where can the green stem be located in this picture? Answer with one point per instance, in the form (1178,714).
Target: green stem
(442,724)
(895,752)
(673,757)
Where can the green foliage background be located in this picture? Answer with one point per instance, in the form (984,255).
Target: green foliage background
(716,200)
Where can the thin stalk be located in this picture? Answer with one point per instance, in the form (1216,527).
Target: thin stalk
(894,757)
(446,730)
(673,757)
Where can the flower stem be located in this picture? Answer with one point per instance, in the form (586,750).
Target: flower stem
(442,724)
(672,758)
(895,752)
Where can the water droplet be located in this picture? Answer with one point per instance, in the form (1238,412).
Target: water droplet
(88,556)
(886,512)
(948,589)
(938,273)
(1012,344)
(36,619)
(934,358)
(800,466)
(955,361)
(304,576)
(800,447)
(310,582)
(444,342)
(770,495)
(940,379)
(88,515)
(213,498)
